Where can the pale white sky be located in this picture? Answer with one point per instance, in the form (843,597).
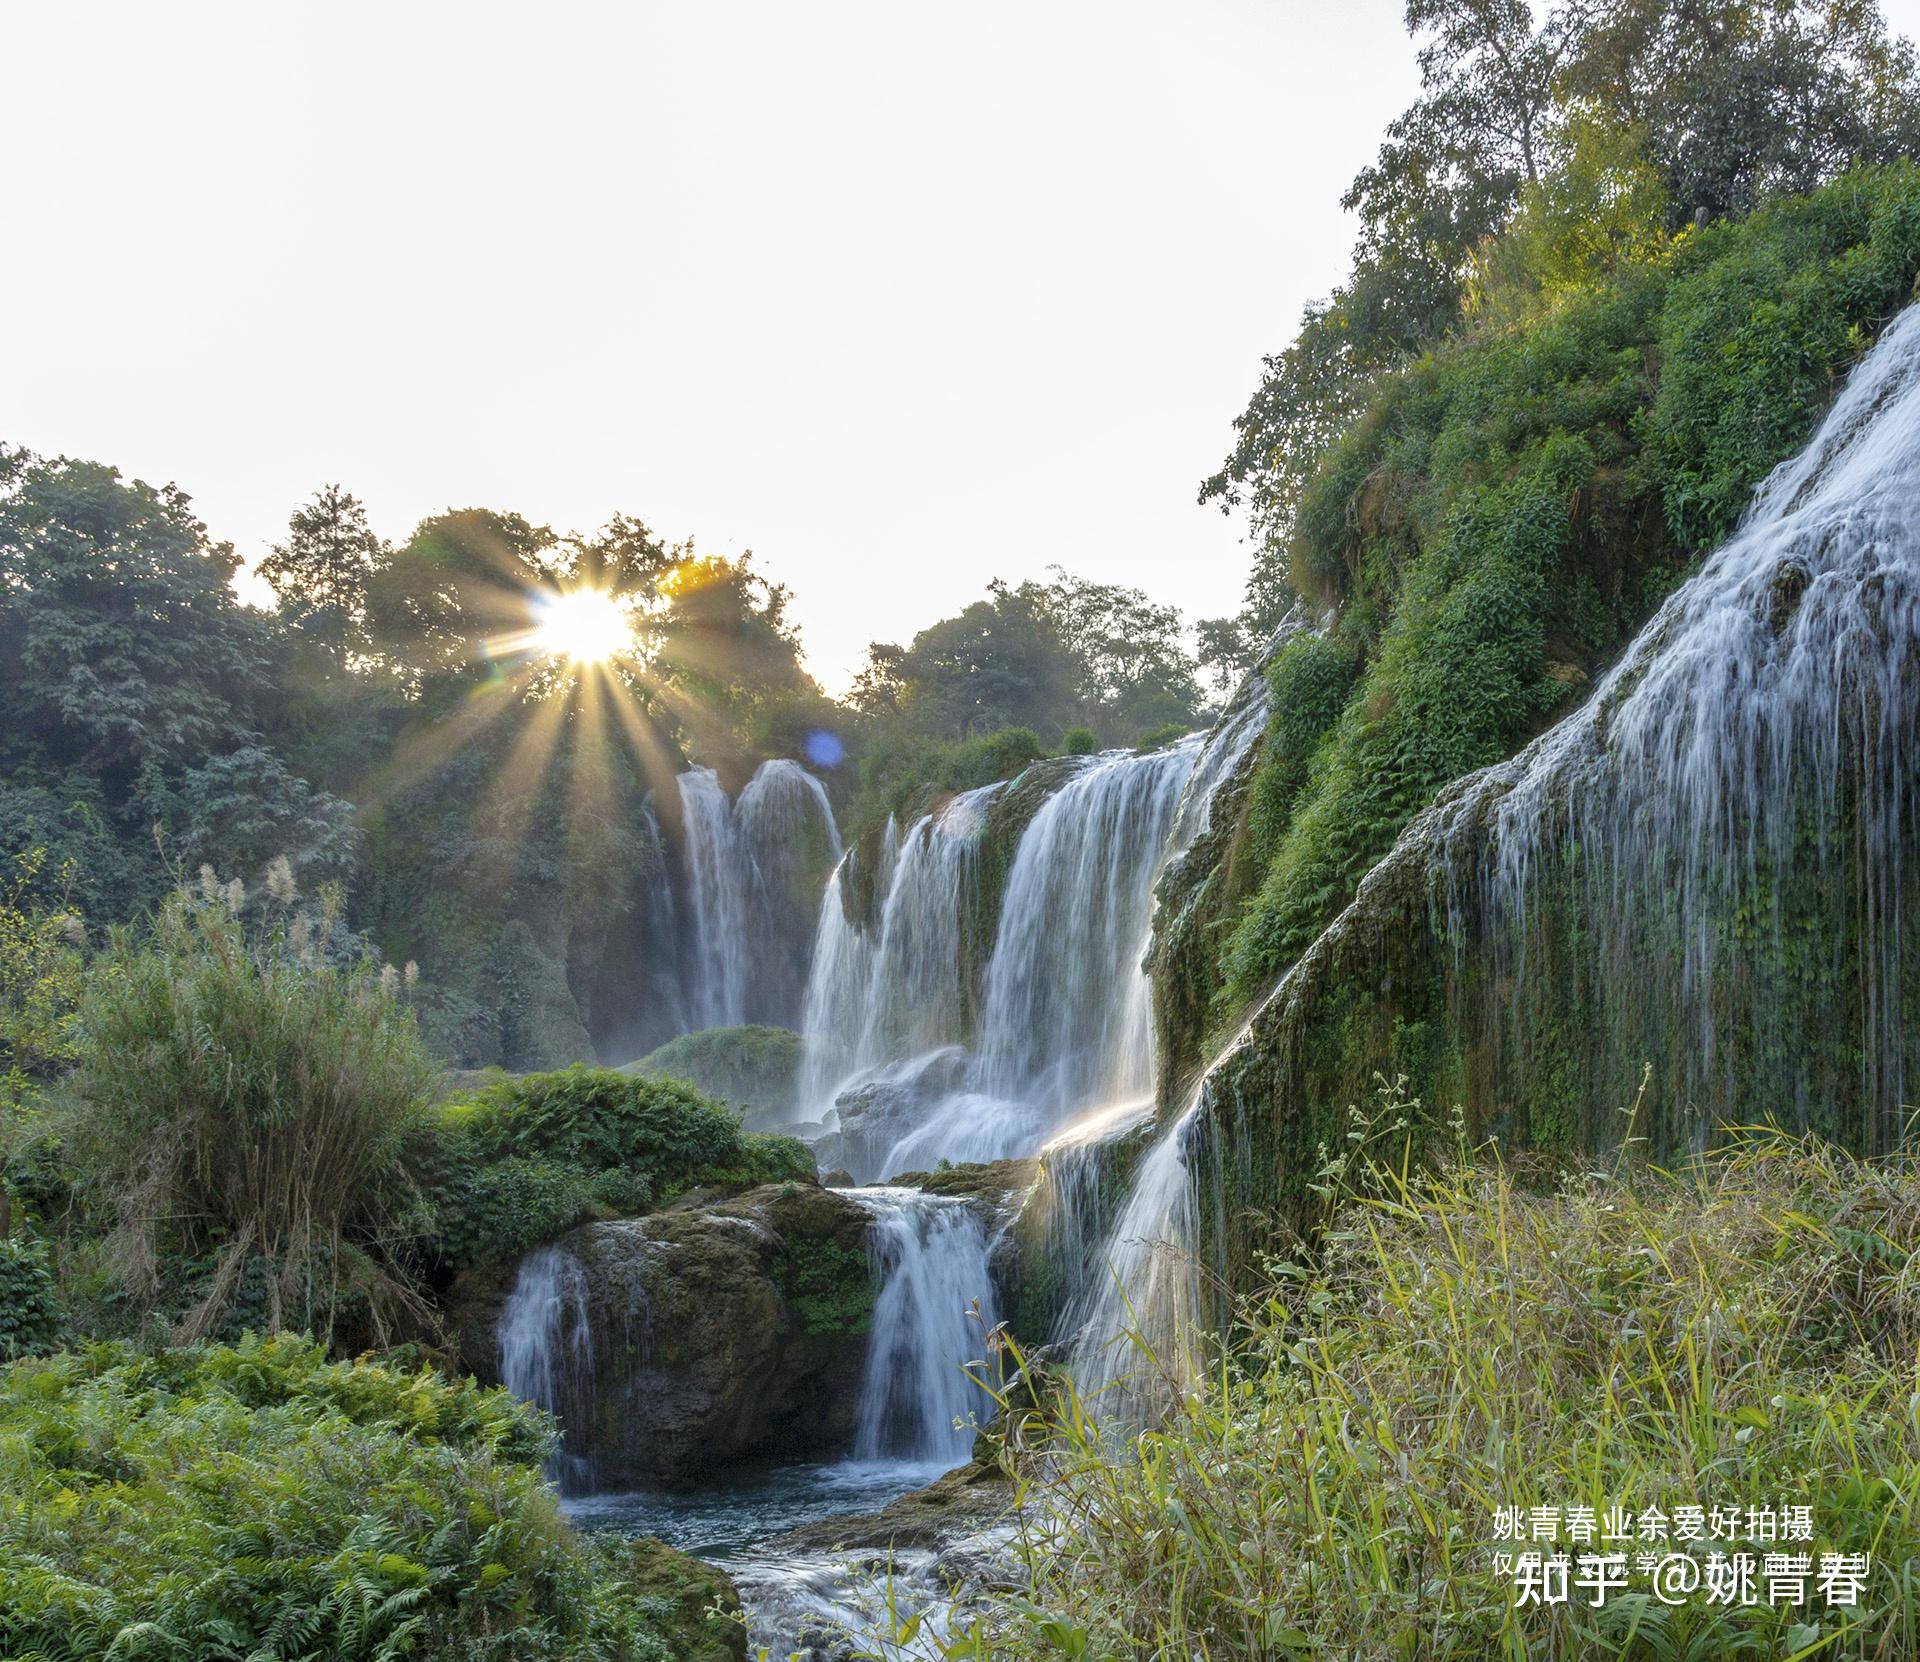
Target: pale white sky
(902,297)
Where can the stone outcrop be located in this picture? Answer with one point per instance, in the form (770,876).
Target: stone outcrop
(719,1333)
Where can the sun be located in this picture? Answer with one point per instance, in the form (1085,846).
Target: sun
(584,626)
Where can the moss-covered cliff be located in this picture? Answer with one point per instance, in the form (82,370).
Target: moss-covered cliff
(1484,541)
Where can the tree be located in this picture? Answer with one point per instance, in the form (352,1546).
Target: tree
(1584,120)
(464,579)
(1738,100)
(121,642)
(1133,671)
(320,574)
(999,663)
(1226,652)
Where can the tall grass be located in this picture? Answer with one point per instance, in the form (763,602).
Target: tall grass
(249,1105)
(1742,1331)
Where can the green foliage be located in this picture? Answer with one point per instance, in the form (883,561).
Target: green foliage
(133,679)
(1159,738)
(1462,1341)
(230,1504)
(1549,148)
(903,779)
(1511,506)
(1760,321)
(1079,741)
(245,1099)
(754,1068)
(32,1320)
(833,1288)
(1054,656)
(525,1160)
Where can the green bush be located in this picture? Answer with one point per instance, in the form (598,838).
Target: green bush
(903,779)
(258,1501)
(754,1068)
(251,1107)
(1170,733)
(31,1318)
(524,1160)
(1078,741)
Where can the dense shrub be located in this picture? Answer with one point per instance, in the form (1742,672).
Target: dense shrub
(1738,1334)
(1168,733)
(1079,741)
(31,1318)
(260,1501)
(524,1160)
(902,779)
(754,1068)
(249,1111)
(1511,506)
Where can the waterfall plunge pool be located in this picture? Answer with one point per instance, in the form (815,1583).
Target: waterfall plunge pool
(730,1516)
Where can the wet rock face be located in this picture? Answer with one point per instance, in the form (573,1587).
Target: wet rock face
(875,1115)
(719,1334)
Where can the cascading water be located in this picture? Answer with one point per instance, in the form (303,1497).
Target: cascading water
(546,1351)
(897,993)
(919,1399)
(718,881)
(1755,740)
(751,870)
(1067,1018)
(789,841)
(1726,818)
(1065,1005)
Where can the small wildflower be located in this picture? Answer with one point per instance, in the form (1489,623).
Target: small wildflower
(280,880)
(236,897)
(389,980)
(209,885)
(411,975)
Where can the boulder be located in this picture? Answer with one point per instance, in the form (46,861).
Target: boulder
(717,1334)
(699,1605)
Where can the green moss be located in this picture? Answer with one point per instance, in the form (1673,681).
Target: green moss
(753,1068)
(832,1286)
(695,1605)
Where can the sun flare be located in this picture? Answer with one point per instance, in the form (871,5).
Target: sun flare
(584,626)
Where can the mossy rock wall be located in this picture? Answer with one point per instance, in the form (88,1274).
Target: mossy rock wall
(1486,539)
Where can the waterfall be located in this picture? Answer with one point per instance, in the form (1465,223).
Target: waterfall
(1136,1325)
(751,868)
(1067,1016)
(930,1321)
(1720,830)
(1725,820)
(896,993)
(1136,1328)
(717,888)
(664,1014)
(546,1352)
(787,841)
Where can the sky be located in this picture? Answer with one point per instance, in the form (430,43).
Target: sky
(900,297)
